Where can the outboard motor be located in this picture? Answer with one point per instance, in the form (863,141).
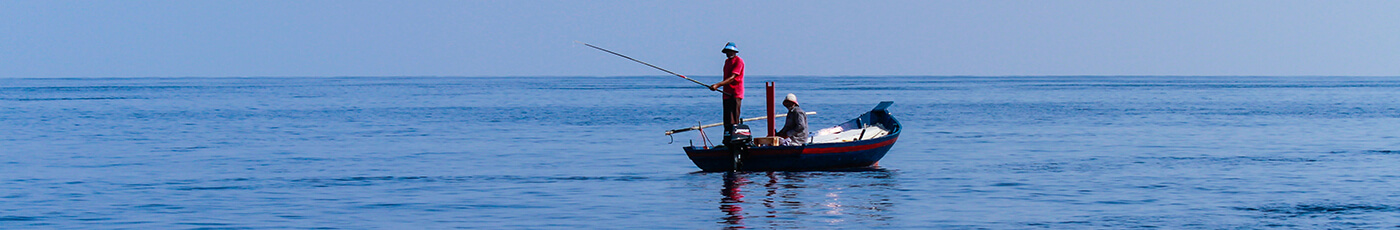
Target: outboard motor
(738,143)
(740,139)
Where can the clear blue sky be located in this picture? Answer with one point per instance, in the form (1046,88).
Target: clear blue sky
(536,38)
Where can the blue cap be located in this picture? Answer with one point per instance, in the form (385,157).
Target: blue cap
(730,46)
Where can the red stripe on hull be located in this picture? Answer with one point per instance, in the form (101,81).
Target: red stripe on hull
(848,148)
(775,152)
(752,152)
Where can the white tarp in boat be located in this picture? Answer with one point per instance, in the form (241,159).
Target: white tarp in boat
(836,135)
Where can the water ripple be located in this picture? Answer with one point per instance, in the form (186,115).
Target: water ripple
(1321,209)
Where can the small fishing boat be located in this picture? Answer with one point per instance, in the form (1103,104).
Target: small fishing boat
(858,143)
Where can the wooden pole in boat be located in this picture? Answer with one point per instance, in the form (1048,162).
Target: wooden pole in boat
(649,64)
(674,131)
(771,131)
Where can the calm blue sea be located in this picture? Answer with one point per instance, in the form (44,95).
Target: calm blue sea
(589,152)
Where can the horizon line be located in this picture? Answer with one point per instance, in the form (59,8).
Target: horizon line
(630,76)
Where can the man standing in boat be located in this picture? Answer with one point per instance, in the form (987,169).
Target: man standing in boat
(794,131)
(733,84)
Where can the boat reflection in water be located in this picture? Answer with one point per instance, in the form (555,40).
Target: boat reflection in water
(807,199)
(730,204)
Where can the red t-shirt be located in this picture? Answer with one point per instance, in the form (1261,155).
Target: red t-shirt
(734,65)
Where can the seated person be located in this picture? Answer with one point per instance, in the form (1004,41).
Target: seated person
(794,132)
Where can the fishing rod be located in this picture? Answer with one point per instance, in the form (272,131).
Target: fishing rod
(648,64)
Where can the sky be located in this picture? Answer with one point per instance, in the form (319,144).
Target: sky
(40,39)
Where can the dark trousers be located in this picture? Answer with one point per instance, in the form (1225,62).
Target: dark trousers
(731,115)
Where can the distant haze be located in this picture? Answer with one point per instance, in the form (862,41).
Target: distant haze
(536,38)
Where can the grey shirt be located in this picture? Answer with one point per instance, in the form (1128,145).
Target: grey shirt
(796,126)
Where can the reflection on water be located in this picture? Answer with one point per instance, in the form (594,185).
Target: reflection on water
(807,199)
(730,204)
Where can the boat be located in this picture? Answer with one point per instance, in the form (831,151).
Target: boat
(855,144)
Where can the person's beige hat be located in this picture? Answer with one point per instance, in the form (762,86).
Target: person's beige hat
(791,97)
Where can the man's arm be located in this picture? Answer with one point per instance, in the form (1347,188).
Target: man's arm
(784,131)
(727,80)
(790,124)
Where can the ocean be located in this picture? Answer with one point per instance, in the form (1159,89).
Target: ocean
(1055,152)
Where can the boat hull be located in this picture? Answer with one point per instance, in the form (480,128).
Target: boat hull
(793,158)
(811,157)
